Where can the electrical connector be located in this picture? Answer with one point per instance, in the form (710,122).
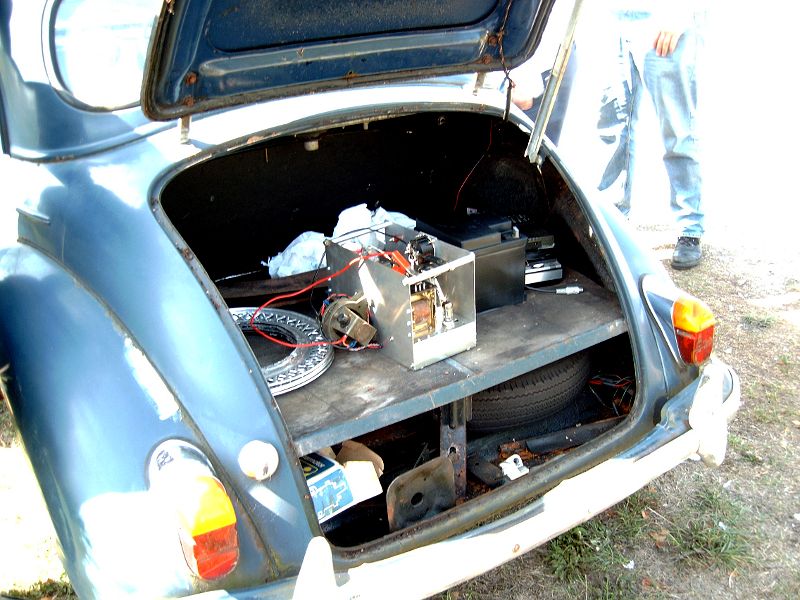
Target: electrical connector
(569,290)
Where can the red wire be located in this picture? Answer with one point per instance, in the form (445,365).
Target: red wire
(466,179)
(305,289)
(290,345)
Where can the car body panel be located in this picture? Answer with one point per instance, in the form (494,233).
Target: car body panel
(75,204)
(208,54)
(87,418)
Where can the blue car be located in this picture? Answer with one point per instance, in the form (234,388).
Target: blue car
(295,302)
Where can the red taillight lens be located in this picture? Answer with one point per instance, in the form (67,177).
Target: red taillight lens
(215,553)
(204,515)
(694,328)
(208,527)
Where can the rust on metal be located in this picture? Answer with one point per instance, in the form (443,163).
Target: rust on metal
(453,440)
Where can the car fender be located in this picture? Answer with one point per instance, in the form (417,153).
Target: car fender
(90,408)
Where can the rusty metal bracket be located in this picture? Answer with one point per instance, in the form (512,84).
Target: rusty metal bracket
(453,439)
(420,493)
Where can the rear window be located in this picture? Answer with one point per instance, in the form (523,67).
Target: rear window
(100,48)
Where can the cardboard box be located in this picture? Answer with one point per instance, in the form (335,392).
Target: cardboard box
(328,485)
(337,485)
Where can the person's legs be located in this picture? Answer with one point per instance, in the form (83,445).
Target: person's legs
(673,87)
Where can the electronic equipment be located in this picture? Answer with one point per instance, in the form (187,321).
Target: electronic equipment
(420,291)
(499,256)
(541,262)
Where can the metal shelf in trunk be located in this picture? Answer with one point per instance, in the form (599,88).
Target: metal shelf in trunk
(364,391)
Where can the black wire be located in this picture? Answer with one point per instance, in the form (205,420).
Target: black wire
(500,38)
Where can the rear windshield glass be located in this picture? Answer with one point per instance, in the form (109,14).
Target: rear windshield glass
(100,48)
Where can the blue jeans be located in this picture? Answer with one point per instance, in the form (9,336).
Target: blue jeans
(671,82)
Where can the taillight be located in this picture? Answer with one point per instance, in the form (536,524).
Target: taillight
(204,516)
(694,329)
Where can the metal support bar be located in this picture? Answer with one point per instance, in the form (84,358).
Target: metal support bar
(185,123)
(551,91)
(453,439)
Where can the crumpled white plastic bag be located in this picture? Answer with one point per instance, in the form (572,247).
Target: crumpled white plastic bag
(307,251)
(356,218)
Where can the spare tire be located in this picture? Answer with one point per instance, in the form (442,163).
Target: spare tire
(531,397)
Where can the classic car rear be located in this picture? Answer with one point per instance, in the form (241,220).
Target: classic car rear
(342,333)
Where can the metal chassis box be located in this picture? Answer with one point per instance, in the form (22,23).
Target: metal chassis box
(389,295)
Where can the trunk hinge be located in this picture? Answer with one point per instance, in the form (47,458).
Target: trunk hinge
(551,90)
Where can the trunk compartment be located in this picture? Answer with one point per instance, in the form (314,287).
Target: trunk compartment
(546,371)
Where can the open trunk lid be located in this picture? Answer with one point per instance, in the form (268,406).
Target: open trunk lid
(210,54)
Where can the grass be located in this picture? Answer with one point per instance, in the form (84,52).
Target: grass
(573,552)
(50,589)
(711,536)
(786,363)
(595,559)
(768,401)
(630,514)
(588,561)
(744,449)
(599,545)
(758,321)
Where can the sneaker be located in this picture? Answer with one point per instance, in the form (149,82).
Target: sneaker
(687,253)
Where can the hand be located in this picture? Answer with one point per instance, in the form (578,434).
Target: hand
(526,87)
(523,95)
(666,41)
(524,102)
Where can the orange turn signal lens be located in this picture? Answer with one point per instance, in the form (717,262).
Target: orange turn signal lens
(694,329)
(204,515)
